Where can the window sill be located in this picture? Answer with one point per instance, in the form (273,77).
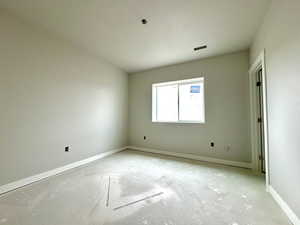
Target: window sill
(180,122)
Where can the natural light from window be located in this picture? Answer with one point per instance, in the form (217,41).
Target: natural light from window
(179,101)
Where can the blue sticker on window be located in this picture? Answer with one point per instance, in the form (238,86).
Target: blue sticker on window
(195,89)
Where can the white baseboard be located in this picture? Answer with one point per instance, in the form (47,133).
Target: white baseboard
(23,182)
(284,206)
(194,157)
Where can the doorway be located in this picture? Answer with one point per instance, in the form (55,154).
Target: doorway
(259,117)
(260,120)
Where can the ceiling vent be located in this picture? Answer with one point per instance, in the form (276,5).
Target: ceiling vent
(200,47)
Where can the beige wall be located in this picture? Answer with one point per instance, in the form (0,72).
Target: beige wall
(53,95)
(280,36)
(227,109)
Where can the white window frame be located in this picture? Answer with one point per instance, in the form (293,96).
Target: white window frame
(178,83)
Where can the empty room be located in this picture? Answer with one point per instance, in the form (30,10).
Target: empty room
(161,112)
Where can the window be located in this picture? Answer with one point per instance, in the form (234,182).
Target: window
(179,101)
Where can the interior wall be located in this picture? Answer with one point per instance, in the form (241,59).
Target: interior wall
(53,95)
(226,102)
(280,37)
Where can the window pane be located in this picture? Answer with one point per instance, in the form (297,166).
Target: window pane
(191,102)
(167,103)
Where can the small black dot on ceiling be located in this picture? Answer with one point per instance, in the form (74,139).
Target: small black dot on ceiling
(144,21)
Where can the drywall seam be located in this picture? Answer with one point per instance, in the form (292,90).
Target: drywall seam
(195,157)
(284,206)
(26,181)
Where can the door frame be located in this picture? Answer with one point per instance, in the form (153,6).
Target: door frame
(259,63)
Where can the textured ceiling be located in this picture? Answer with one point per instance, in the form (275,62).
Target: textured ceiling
(112,29)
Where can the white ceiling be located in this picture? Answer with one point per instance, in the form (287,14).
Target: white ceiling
(112,29)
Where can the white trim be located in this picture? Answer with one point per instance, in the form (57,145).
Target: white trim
(180,121)
(23,182)
(259,62)
(194,157)
(186,81)
(284,206)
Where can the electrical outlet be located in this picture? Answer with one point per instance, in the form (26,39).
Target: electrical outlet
(67,148)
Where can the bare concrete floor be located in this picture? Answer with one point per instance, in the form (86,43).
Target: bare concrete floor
(133,188)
